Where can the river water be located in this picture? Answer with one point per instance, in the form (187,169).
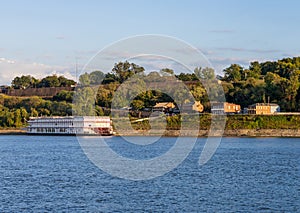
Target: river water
(43,174)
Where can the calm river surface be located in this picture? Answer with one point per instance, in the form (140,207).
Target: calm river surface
(40,174)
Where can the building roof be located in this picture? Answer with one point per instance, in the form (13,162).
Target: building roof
(263,104)
(163,104)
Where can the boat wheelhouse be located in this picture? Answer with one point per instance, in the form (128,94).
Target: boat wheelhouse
(71,125)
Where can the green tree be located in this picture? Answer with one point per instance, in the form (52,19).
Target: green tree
(233,73)
(285,68)
(23,82)
(268,66)
(99,111)
(24,115)
(167,71)
(49,81)
(255,69)
(109,78)
(64,82)
(187,77)
(104,97)
(205,73)
(9,119)
(124,70)
(198,91)
(137,104)
(17,118)
(33,112)
(292,89)
(84,102)
(96,77)
(64,95)
(84,79)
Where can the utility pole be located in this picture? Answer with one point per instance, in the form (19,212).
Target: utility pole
(76,70)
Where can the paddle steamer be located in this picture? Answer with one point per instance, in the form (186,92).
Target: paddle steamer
(70,125)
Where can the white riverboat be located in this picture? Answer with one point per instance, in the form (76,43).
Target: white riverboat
(70,125)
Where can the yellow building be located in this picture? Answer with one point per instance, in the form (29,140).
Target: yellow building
(196,106)
(263,108)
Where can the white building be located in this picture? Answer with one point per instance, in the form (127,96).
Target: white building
(275,108)
(81,125)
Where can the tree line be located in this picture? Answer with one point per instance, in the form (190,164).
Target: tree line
(15,111)
(26,81)
(270,81)
(261,82)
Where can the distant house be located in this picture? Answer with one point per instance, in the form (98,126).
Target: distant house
(263,108)
(163,107)
(196,106)
(275,108)
(225,108)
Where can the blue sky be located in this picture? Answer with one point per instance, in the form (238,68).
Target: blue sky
(46,37)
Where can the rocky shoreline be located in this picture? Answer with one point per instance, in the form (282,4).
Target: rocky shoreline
(263,133)
(12,132)
(226,133)
(202,133)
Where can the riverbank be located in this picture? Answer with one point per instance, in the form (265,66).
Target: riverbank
(202,133)
(12,131)
(226,133)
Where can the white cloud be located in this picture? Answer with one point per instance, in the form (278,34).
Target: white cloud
(4,60)
(12,68)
